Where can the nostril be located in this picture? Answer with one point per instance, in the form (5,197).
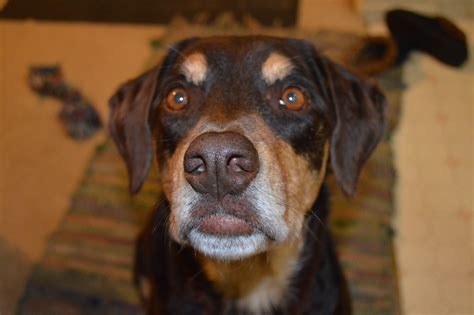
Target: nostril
(239,164)
(194,165)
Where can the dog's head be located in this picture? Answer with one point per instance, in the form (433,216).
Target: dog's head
(244,127)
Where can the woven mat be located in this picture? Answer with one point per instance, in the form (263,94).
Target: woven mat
(86,268)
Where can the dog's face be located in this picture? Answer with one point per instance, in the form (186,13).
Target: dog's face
(244,127)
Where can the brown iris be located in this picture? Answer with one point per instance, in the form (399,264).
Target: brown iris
(177,99)
(292,98)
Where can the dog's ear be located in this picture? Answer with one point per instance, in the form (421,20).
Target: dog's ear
(358,119)
(131,117)
(129,125)
(356,114)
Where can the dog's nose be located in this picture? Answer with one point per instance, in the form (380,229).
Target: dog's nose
(220,163)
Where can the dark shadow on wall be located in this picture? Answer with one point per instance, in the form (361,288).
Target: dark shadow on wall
(15,268)
(267,12)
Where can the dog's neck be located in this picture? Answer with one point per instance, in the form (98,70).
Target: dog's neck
(262,282)
(257,283)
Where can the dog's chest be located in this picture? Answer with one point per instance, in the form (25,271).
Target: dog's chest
(268,295)
(259,285)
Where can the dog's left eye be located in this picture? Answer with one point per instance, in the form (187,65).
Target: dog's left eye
(177,99)
(292,98)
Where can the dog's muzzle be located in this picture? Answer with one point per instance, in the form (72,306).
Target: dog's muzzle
(220,166)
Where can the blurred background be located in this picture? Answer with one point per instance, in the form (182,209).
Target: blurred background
(68,57)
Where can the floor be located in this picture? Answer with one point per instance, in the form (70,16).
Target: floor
(39,166)
(434,147)
(435,220)
(434,159)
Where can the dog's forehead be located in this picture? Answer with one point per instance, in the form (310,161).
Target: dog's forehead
(262,58)
(236,78)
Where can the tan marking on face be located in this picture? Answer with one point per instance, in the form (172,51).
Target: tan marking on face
(195,68)
(292,176)
(303,183)
(276,67)
(286,186)
(175,186)
(286,180)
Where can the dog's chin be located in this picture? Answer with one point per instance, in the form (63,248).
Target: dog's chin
(227,247)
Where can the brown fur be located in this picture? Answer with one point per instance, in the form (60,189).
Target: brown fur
(172,176)
(288,264)
(236,279)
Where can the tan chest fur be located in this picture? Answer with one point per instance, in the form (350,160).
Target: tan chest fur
(257,283)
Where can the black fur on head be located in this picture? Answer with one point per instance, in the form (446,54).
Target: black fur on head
(131,117)
(356,111)
(351,109)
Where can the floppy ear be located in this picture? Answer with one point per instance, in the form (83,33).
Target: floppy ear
(131,117)
(357,114)
(130,127)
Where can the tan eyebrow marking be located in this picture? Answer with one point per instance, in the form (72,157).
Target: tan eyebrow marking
(195,68)
(276,67)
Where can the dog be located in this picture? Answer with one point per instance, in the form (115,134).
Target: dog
(244,130)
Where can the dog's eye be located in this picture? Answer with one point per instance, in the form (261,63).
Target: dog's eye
(177,99)
(292,99)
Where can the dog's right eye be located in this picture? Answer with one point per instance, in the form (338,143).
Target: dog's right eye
(177,99)
(292,99)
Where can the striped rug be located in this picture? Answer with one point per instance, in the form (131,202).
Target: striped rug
(86,268)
